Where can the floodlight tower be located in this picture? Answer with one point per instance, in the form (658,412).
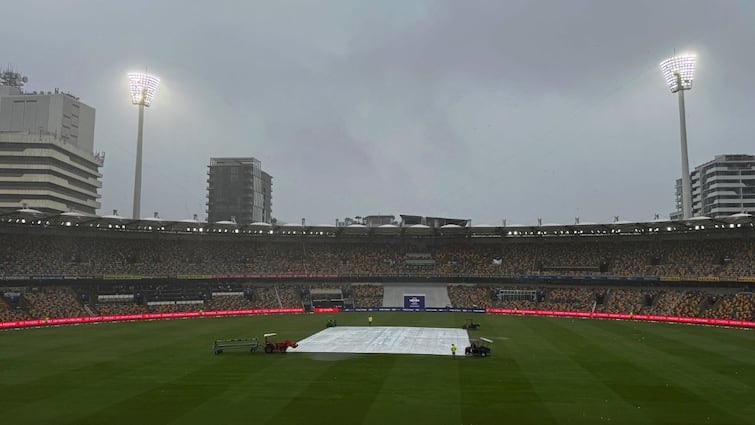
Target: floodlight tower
(679,72)
(143,87)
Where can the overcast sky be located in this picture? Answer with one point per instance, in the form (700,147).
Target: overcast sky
(473,109)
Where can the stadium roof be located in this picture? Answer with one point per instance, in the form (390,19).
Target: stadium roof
(27,216)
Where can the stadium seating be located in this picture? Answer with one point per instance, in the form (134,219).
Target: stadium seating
(92,256)
(711,303)
(368,296)
(110,258)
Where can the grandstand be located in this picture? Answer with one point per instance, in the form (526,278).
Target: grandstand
(327,297)
(71,265)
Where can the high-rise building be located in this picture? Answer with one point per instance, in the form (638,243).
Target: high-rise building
(47,158)
(238,190)
(267,197)
(721,187)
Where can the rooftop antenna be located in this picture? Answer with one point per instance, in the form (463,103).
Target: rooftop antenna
(9,77)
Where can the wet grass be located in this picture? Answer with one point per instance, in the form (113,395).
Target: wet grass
(542,370)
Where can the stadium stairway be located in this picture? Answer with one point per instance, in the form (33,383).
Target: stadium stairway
(436,294)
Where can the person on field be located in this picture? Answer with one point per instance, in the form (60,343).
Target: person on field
(453,351)
(369,320)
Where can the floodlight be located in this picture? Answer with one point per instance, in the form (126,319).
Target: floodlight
(679,71)
(143,88)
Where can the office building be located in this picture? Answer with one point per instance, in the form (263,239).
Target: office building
(238,190)
(47,158)
(721,187)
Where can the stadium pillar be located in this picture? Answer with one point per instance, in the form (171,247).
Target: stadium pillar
(138,172)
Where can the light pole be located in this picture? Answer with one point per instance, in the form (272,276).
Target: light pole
(143,87)
(679,71)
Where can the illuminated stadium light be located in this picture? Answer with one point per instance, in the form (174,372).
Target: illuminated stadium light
(679,71)
(143,88)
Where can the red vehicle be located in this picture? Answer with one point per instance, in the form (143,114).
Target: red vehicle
(277,346)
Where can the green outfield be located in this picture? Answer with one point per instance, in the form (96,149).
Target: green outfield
(542,371)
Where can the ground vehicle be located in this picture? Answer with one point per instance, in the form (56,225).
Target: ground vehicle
(469,324)
(480,347)
(221,345)
(279,346)
(331,323)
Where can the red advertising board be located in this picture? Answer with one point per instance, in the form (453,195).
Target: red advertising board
(145,316)
(698,320)
(151,316)
(325,310)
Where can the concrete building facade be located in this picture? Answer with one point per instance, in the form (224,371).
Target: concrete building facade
(238,190)
(47,158)
(58,114)
(721,187)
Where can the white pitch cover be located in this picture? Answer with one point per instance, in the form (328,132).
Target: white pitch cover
(384,340)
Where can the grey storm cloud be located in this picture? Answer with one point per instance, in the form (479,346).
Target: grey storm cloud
(479,109)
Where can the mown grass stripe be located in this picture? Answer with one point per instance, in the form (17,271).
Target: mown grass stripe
(633,378)
(346,388)
(735,343)
(264,385)
(719,364)
(573,393)
(548,371)
(420,389)
(721,380)
(504,376)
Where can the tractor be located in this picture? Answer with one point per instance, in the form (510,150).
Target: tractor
(277,346)
(470,325)
(480,347)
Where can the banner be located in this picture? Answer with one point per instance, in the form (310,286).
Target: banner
(121,277)
(670,279)
(145,316)
(194,276)
(414,301)
(708,279)
(412,310)
(622,316)
(325,310)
